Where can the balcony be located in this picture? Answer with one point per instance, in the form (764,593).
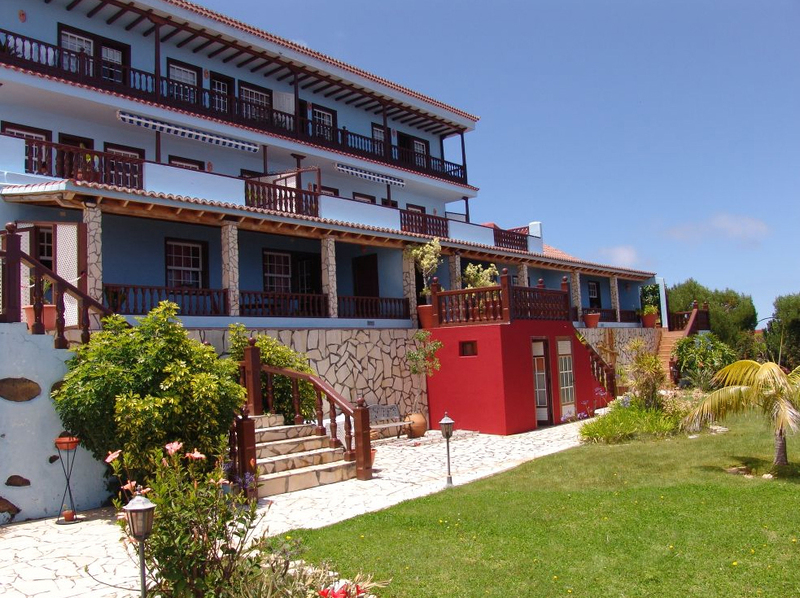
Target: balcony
(138,300)
(49,59)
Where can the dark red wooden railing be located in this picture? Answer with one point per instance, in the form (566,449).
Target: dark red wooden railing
(424,224)
(70,162)
(258,379)
(471,306)
(602,371)
(288,200)
(139,299)
(606,315)
(298,305)
(12,258)
(510,239)
(531,303)
(692,321)
(81,68)
(374,308)
(628,315)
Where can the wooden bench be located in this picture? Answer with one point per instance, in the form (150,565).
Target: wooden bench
(383,417)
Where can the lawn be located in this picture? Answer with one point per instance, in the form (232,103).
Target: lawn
(657,518)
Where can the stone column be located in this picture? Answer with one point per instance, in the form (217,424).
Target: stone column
(230,265)
(615,295)
(454,265)
(575,289)
(93,219)
(522,275)
(328,246)
(410,286)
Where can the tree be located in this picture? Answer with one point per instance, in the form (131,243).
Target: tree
(747,385)
(477,276)
(732,314)
(427,258)
(782,334)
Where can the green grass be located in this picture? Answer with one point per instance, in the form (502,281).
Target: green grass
(621,424)
(643,519)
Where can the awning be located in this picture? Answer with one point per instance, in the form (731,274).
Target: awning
(180,131)
(371,176)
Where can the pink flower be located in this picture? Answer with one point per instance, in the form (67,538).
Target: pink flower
(130,486)
(145,491)
(112,456)
(195,456)
(173,447)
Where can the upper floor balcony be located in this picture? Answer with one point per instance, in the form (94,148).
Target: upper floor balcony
(246,108)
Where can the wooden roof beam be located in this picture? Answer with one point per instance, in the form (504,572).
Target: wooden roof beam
(171,34)
(183,42)
(208,42)
(73,4)
(277,69)
(220,50)
(247,61)
(112,19)
(135,22)
(97,9)
(258,67)
(232,56)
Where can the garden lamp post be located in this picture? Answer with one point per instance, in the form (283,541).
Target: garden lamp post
(446,426)
(139,513)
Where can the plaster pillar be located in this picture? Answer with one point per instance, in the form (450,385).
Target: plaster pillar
(615,295)
(575,289)
(454,265)
(410,286)
(230,265)
(328,246)
(522,275)
(93,219)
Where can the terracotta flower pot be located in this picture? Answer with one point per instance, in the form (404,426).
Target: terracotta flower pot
(419,425)
(68,515)
(649,320)
(67,443)
(48,316)
(425,315)
(372,457)
(591,320)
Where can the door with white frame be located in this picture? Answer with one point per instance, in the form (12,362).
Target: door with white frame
(541,385)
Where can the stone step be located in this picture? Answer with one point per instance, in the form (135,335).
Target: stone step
(308,477)
(284,432)
(268,420)
(297,461)
(276,448)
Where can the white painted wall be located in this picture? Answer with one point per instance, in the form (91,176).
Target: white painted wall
(27,431)
(346,210)
(471,232)
(12,154)
(182,181)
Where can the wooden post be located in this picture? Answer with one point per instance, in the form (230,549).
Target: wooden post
(387,137)
(320,429)
(11,295)
(505,295)
(363,446)
(435,288)
(540,283)
(60,341)
(252,377)
(296,103)
(464,158)
(298,416)
(246,452)
(157,69)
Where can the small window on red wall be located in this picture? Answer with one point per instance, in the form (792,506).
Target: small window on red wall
(468,348)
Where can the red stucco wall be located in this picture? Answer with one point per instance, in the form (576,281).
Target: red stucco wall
(492,392)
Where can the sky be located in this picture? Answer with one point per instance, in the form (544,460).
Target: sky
(656,135)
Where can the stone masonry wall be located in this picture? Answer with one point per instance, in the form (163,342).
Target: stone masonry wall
(356,362)
(612,343)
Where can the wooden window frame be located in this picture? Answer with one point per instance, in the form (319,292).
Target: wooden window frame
(323,190)
(5,125)
(562,372)
(468,348)
(203,245)
(112,147)
(412,207)
(287,277)
(364,197)
(171,161)
(389,203)
(198,86)
(230,97)
(98,42)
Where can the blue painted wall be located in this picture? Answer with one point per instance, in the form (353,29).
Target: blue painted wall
(390,269)
(251,249)
(629,299)
(605,291)
(552,278)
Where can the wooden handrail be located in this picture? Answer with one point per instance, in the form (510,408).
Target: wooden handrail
(602,371)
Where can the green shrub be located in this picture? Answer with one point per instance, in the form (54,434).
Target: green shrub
(274,354)
(138,387)
(645,374)
(626,420)
(701,356)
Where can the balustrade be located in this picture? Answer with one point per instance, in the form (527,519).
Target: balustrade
(424,224)
(374,308)
(298,305)
(140,299)
(278,198)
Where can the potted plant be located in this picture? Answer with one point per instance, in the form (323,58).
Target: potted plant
(421,360)
(426,258)
(48,309)
(649,315)
(591,318)
(67,514)
(67,443)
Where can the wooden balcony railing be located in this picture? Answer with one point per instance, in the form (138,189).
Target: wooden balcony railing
(531,303)
(81,68)
(374,308)
(292,305)
(510,239)
(138,299)
(628,316)
(288,200)
(70,162)
(424,224)
(602,372)
(471,306)
(606,315)
(691,322)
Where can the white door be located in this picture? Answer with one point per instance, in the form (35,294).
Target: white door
(540,388)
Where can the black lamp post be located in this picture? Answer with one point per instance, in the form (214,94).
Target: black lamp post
(139,513)
(446,425)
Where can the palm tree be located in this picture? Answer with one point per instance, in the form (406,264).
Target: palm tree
(750,385)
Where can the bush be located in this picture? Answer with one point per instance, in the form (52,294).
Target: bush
(701,356)
(274,354)
(645,374)
(138,387)
(629,420)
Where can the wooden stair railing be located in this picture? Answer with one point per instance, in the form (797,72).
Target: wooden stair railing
(692,322)
(356,417)
(603,373)
(13,257)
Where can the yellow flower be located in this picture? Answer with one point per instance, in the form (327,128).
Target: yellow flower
(734,563)
(555,577)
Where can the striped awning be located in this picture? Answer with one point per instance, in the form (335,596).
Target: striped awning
(181,131)
(371,176)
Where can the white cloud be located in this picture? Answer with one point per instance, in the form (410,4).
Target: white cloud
(621,255)
(744,230)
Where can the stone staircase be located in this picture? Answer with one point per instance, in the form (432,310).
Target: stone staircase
(665,346)
(292,458)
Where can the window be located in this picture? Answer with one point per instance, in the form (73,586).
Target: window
(389,203)
(420,152)
(305,276)
(37,156)
(566,379)
(186,264)
(378,137)
(364,197)
(333,191)
(84,50)
(256,103)
(221,90)
(277,272)
(112,64)
(415,208)
(540,374)
(183,81)
(468,348)
(186,163)
(594,294)
(324,123)
(44,245)
(78,58)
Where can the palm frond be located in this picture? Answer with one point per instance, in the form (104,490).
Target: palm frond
(785,415)
(721,403)
(739,373)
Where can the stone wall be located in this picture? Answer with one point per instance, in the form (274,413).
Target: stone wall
(31,478)
(611,343)
(356,362)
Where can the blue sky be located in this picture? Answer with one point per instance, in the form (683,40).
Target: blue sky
(657,135)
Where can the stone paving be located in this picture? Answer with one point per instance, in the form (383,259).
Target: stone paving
(40,558)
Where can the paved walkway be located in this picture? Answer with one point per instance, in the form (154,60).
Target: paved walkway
(41,559)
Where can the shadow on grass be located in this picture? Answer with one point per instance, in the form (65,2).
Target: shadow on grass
(757,467)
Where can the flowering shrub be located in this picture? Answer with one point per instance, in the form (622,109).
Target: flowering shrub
(701,356)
